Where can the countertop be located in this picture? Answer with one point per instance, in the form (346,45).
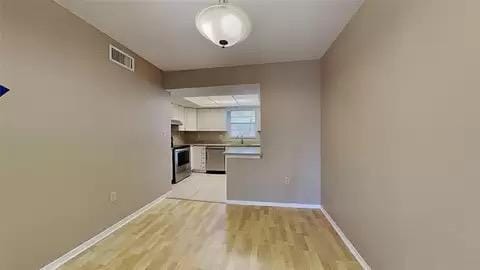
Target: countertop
(243,151)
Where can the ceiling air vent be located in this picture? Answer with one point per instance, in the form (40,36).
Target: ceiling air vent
(123,59)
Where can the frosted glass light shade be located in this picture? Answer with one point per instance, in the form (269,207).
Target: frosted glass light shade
(223,24)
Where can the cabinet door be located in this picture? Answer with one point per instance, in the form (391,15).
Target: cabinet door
(211,119)
(198,158)
(181,117)
(190,123)
(219,122)
(179,114)
(195,157)
(203,119)
(176,112)
(173,114)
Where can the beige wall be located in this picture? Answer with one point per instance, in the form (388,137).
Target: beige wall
(74,127)
(290,95)
(401,133)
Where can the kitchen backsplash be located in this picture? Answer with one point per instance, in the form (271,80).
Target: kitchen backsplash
(213,137)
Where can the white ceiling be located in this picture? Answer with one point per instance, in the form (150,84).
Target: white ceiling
(217,96)
(225,101)
(164,33)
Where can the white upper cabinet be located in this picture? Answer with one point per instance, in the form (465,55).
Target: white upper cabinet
(178,113)
(188,116)
(190,123)
(211,120)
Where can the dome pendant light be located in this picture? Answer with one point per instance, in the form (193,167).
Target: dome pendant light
(224,24)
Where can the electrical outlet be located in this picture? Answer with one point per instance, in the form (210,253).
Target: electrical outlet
(113,196)
(287,180)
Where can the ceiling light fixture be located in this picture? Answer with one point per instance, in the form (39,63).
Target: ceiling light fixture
(224,24)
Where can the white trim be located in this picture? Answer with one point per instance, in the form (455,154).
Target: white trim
(285,205)
(345,240)
(99,237)
(228,119)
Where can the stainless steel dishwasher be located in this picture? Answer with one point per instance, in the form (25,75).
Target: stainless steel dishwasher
(215,159)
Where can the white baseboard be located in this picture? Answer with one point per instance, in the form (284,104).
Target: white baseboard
(340,233)
(99,237)
(287,205)
(345,240)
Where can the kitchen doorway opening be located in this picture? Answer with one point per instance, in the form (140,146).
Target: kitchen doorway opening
(209,126)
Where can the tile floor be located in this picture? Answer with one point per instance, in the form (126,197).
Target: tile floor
(201,187)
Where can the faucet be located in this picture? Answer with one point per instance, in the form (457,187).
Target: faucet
(241,139)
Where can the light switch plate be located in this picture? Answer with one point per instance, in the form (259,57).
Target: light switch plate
(113,196)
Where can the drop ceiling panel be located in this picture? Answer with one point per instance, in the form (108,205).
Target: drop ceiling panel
(247,100)
(225,101)
(202,101)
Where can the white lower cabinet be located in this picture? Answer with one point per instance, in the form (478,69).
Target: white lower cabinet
(198,158)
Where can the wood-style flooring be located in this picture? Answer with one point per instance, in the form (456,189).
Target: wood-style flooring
(181,234)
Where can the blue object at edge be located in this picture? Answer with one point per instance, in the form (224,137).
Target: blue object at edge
(3,90)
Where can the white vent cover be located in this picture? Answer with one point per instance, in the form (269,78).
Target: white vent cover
(122,58)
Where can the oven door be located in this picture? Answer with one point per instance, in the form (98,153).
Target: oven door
(182,164)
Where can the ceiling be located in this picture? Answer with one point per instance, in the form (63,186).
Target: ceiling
(164,33)
(225,101)
(217,96)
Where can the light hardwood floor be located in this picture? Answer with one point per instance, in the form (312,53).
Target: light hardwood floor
(180,234)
